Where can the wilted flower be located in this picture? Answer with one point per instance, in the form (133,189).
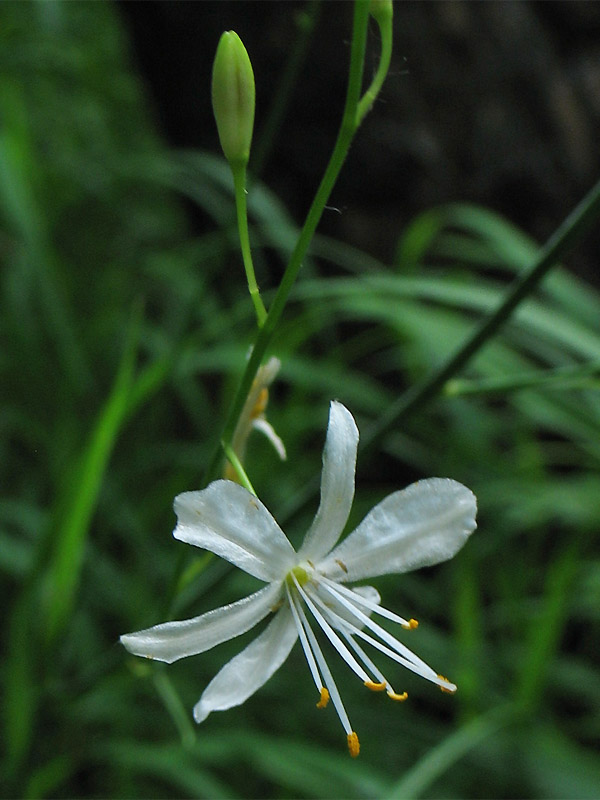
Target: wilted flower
(422,525)
(253,417)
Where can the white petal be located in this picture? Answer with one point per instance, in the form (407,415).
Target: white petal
(337,483)
(173,640)
(230,522)
(424,524)
(261,424)
(368,593)
(250,669)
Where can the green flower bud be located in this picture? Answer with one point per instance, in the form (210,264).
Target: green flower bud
(233,98)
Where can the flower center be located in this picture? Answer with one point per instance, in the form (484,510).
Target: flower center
(301,573)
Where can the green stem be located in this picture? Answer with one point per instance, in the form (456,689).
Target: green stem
(562,241)
(175,707)
(237,465)
(239,182)
(386,30)
(346,133)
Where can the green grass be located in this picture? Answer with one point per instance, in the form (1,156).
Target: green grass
(121,349)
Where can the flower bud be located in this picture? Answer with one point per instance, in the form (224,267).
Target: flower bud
(233,98)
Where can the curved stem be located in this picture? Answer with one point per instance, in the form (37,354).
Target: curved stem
(239,183)
(367,100)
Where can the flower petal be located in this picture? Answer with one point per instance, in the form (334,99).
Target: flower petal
(337,483)
(261,424)
(424,524)
(230,522)
(250,669)
(173,640)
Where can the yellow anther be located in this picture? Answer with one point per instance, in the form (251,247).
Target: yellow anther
(341,565)
(444,688)
(400,698)
(375,687)
(411,625)
(261,403)
(353,744)
(324,698)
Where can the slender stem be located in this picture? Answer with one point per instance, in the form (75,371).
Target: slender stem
(239,182)
(346,133)
(562,241)
(386,30)
(239,469)
(175,707)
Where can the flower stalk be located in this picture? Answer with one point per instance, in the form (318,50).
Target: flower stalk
(234,100)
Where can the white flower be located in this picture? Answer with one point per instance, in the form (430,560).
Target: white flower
(422,525)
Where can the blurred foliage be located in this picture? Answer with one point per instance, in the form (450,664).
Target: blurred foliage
(120,341)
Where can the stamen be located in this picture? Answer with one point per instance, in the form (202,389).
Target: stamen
(399,697)
(331,634)
(411,625)
(326,672)
(324,698)
(384,684)
(314,671)
(358,598)
(418,666)
(430,676)
(367,662)
(375,687)
(353,744)
(449,688)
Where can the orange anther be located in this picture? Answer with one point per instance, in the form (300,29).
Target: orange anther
(445,688)
(353,744)
(400,698)
(324,698)
(411,625)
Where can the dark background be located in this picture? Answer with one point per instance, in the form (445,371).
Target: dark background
(491,103)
